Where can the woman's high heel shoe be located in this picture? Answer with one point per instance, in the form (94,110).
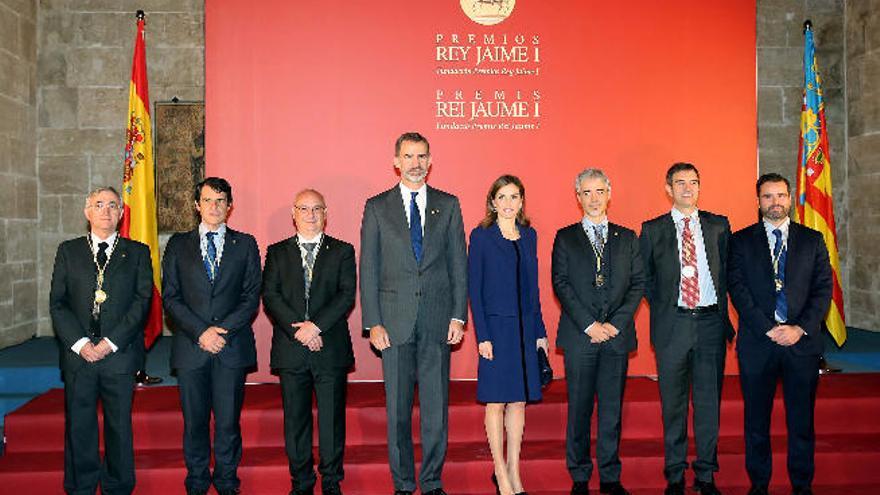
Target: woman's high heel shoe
(495,482)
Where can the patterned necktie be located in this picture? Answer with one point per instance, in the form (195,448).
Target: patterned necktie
(102,253)
(211,256)
(310,264)
(690,286)
(598,240)
(415,227)
(780,253)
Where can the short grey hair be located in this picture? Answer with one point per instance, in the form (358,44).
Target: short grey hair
(98,190)
(591,173)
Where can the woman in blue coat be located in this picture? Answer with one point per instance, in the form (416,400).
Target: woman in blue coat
(503,289)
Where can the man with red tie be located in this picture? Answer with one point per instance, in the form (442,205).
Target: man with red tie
(685,259)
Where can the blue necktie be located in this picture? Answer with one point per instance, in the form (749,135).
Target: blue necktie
(415,227)
(780,253)
(211,258)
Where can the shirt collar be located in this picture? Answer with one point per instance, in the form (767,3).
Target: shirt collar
(769,227)
(587,223)
(678,216)
(97,240)
(407,192)
(221,231)
(317,239)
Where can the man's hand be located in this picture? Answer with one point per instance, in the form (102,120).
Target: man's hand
(306,331)
(610,330)
(542,343)
(456,332)
(485,350)
(379,338)
(211,341)
(598,333)
(89,353)
(786,335)
(315,344)
(103,349)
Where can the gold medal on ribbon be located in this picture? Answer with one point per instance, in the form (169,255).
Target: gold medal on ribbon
(600,280)
(100,296)
(779,285)
(688,271)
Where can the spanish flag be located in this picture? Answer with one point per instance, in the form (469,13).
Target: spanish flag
(139,222)
(814,205)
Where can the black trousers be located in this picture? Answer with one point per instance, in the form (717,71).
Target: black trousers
(693,359)
(218,389)
(328,387)
(83,468)
(594,370)
(760,371)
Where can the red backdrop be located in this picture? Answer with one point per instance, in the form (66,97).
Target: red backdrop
(313,94)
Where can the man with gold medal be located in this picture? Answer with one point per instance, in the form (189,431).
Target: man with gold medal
(598,278)
(101,289)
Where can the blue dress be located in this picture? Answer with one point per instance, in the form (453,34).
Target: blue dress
(506,307)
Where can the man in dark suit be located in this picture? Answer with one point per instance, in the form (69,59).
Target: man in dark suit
(211,291)
(101,289)
(599,280)
(309,284)
(685,258)
(780,284)
(414,302)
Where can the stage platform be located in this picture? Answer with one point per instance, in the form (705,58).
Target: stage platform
(848,441)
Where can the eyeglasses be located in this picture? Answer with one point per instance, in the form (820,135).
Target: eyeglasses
(305,210)
(100,205)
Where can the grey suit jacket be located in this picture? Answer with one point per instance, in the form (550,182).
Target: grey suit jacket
(396,291)
(659,248)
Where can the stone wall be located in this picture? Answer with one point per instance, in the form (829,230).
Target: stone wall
(83,72)
(863,112)
(18,173)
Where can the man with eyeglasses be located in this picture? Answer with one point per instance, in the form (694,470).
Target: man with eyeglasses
(414,304)
(309,285)
(102,285)
(211,291)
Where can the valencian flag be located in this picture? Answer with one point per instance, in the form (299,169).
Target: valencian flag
(814,205)
(138,180)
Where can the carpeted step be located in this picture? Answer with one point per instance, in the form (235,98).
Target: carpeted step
(850,460)
(158,420)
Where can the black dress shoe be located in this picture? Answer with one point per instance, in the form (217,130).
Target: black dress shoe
(706,487)
(613,488)
(307,491)
(801,490)
(495,483)
(142,378)
(435,491)
(674,488)
(580,488)
(758,490)
(196,492)
(402,492)
(229,491)
(330,490)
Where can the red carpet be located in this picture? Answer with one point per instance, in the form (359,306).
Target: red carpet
(847,450)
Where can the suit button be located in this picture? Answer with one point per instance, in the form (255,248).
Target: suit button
(215,319)
(418,294)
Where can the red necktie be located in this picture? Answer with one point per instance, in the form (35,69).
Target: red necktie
(690,285)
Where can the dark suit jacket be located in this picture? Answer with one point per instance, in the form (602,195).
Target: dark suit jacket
(808,286)
(493,285)
(128,280)
(395,289)
(331,297)
(193,304)
(659,247)
(574,271)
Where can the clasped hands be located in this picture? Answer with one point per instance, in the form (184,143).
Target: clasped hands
(601,332)
(95,352)
(212,340)
(308,334)
(786,335)
(486,350)
(380,340)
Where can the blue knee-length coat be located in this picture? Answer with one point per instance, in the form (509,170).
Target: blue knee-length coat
(494,286)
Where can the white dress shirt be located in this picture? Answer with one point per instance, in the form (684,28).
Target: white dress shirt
(708,296)
(421,201)
(111,243)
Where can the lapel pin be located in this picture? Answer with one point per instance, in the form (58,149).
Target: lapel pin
(434,212)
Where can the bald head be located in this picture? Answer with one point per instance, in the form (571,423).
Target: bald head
(309,213)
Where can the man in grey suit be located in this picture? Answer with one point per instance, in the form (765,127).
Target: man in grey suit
(413,285)
(685,257)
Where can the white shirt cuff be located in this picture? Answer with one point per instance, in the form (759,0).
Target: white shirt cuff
(111,344)
(456,319)
(78,345)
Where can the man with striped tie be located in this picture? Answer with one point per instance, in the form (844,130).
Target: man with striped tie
(780,284)
(211,292)
(685,258)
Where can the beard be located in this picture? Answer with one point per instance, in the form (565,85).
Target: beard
(775,213)
(416,174)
